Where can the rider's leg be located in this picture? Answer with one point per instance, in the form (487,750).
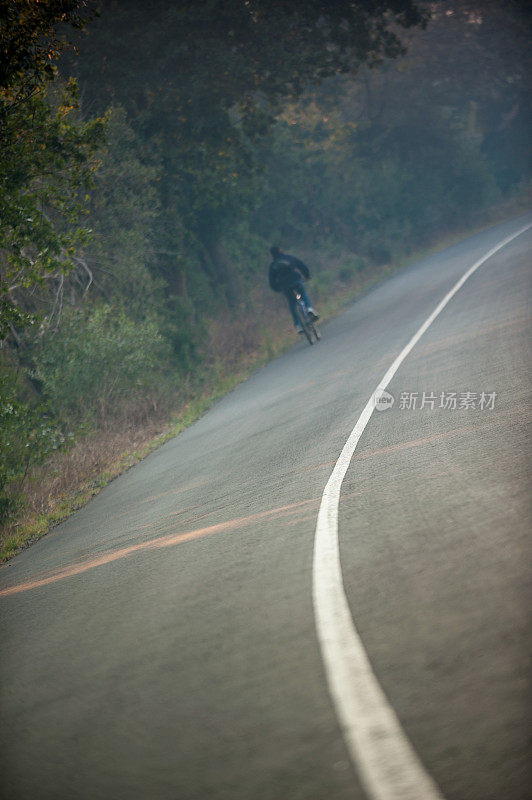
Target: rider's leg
(292,306)
(306,299)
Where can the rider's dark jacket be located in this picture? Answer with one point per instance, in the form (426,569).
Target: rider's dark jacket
(286,271)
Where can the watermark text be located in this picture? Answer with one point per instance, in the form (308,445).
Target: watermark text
(429,400)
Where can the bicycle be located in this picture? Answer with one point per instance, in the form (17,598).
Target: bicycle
(309,328)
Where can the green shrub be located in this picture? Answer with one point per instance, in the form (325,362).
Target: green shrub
(27,435)
(185,332)
(321,285)
(350,267)
(97,359)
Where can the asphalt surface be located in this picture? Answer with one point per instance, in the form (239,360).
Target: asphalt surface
(161,644)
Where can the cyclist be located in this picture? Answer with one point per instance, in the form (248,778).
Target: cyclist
(286,273)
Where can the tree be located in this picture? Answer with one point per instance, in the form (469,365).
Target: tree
(45,152)
(203,81)
(31,39)
(474,60)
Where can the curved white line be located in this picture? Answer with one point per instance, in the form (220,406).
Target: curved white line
(388,766)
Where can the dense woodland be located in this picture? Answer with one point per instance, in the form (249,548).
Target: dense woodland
(152,152)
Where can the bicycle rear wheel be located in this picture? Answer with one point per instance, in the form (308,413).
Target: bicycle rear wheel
(305,322)
(315,331)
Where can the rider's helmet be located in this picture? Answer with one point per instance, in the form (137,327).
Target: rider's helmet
(275,251)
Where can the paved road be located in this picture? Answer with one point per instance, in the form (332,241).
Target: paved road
(161,643)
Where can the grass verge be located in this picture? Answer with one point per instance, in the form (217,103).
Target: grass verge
(103,459)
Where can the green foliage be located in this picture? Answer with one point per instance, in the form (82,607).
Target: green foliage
(124,208)
(28,434)
(98,359)
(44,163)
(32,35)
(321,284)
(246,249)
(375,187)
(204,82)
(45,155)
(184,330)
(350,267)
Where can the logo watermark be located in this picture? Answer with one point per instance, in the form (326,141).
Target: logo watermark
(383,400)
(448,401)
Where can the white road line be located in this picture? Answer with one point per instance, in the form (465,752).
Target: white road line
(387,764)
